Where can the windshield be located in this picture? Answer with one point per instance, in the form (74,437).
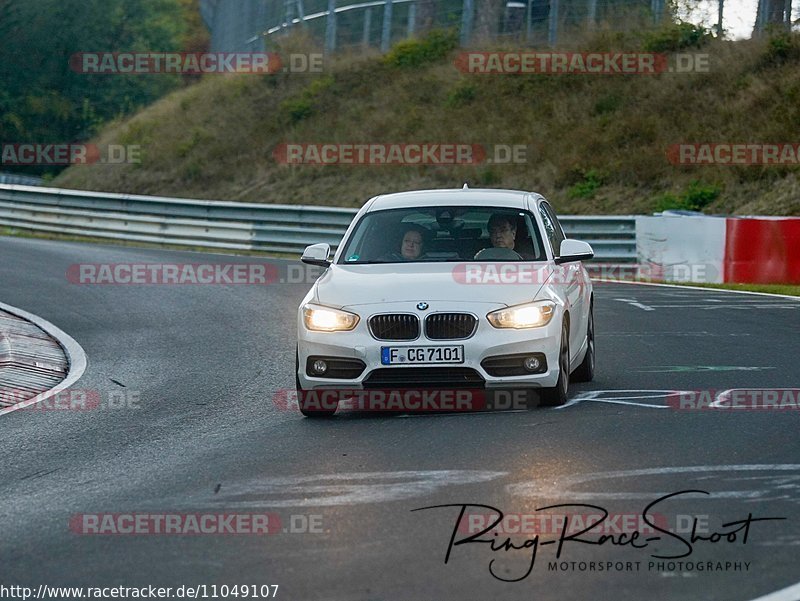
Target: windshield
(443,234)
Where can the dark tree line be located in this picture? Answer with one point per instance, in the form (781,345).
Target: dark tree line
(42,100)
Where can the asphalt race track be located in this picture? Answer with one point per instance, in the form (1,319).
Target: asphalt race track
(203,368)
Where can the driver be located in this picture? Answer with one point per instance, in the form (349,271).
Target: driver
(502,231)
(503,235)
(412,246)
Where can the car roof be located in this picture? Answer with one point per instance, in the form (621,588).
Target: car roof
(514,199)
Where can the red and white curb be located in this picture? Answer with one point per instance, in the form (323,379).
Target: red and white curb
(73,351)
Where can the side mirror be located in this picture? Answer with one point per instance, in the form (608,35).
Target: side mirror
(574,250)
(317,254)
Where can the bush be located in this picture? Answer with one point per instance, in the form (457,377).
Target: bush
(461,95)
(586,188)
(676,36)
(782,47)
(696,198)
(302,107)
(607,104)
(414,53)
(488,177)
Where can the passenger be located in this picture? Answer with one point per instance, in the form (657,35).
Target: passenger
(412,246)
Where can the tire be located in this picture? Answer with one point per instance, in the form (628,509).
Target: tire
(306,408)
(558,395)
(585,371)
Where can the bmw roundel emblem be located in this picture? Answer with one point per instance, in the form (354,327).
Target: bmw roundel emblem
(422,306)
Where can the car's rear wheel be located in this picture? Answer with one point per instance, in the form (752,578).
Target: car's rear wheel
(585,371)
(311,405)
(559,393)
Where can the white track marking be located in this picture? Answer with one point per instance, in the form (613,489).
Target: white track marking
(790,593)
(700,288)
(634,303)
(714,307)
(345,489)
(75,356)
(610,402)
(562,489)
(703,334)
(622,397)
(685,369)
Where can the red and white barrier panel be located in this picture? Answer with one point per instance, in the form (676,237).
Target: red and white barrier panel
(697,248)
(763,250)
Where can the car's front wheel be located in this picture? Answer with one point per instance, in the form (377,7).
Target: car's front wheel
(311,405)
(559,393)
(585,371)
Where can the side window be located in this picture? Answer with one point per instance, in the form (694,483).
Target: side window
(549,230)
(558,233)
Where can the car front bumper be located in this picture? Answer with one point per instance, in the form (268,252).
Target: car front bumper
(487,341)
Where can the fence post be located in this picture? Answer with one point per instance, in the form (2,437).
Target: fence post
(719,17)
(552,27)
(591,16)
(762,9)
(788,12)
(301,13)
(330,27)
(412,19)
(288,13)
(528,23)
(467,10)
(386,34)
(367,26)
(657,8)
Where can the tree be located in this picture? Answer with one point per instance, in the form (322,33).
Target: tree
(42,100)
(487,19)
(426,15)
(772,12)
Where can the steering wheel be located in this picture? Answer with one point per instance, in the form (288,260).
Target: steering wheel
(498,254)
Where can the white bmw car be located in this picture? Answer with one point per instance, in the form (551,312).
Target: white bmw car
(464,289)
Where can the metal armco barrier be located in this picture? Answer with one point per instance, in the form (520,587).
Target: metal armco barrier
(20,180)
(234,225)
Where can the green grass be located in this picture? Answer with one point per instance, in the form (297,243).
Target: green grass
(595,144)
(788,289)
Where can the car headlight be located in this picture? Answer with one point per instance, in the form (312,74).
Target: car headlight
(529,315)
(327,319)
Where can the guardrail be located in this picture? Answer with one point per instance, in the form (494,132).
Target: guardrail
(20,180)
(233,225)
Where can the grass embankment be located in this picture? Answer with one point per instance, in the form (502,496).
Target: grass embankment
(787,289)
(595,143)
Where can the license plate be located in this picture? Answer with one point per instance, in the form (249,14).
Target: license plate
(421,355)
